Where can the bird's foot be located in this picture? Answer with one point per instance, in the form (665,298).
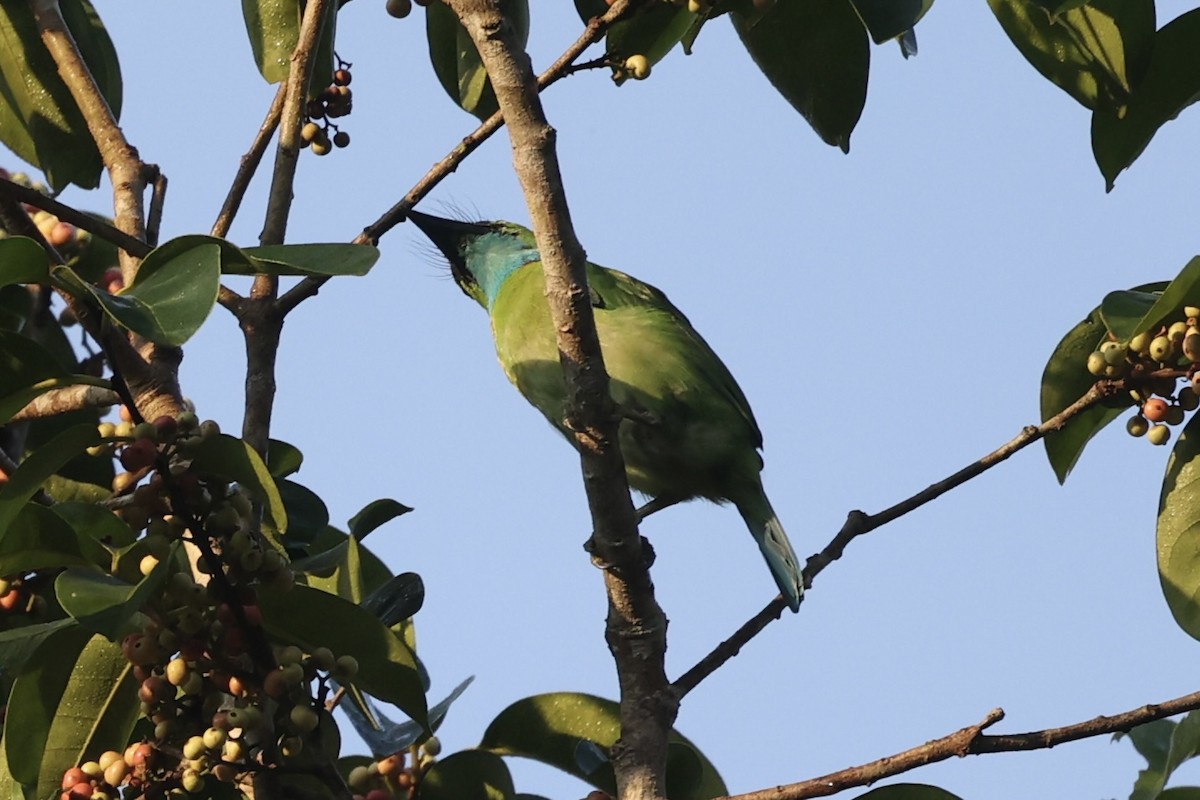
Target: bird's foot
(600,562)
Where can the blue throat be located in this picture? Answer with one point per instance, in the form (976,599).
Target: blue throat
(501,256)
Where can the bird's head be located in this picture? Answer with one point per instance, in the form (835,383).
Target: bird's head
(481,254)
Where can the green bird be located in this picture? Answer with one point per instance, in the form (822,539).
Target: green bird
(687,430)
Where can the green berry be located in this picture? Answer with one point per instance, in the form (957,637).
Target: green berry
(432,746)
(1137,426)
(1191,311)
(1159,434)
(1177,331)
(1140,344)
(1191,347)
(1096,364)
(638,67)
(1160,348)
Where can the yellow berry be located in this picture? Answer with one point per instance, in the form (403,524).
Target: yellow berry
(1159,434)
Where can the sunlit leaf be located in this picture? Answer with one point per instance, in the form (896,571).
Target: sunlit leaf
(311,618)
(39,120)
(310,259)
(1178,532)
(1171,84)
(550,727)
(1097,52)
(18,645)
(817,56)
(468,775)
(41,539)
(652,32)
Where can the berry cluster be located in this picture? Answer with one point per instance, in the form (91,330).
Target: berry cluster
(319,133)
(402,8)
(395,776)
(1153,362)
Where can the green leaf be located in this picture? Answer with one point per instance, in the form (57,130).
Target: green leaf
(817,56)
(18,645)
(1178,534)
(105,604)
(173,293)
(374,514)
(1066,379)
(97,710)
(398,599)
(456,61)
(1152,740)
(274,30)
(306,512)
(22,260)
(283,459)
(33,705)
(652,32)
(551,728)
(1161,762)
(1184,289)
(1171,84)
(333,259)
(39,119)
(1097,52)
(887,19)
(311,618)
(1180,793)
(41,539)
(340,564)
(908,791)
(235,460)
(96,522)
(41,464)
(468,775)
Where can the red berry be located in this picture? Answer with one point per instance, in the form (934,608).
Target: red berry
(73,776)
(1155,409)
(11,600)
(138,455)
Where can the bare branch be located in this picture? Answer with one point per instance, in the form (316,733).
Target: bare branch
(249,165)
(636,630)
(858,523)
(972,741)
(395,215)
(96,227)
(70,398)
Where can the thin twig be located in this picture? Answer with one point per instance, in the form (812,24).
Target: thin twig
(97,227)
(972,741)
(857,523)
(249,165)
(158,198)
(470,143)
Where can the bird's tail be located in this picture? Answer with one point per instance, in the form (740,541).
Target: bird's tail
(776,549)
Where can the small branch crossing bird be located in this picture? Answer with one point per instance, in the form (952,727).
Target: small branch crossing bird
(687,430)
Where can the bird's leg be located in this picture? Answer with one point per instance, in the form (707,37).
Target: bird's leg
(656,504)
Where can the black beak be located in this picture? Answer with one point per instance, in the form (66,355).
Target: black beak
(448,234)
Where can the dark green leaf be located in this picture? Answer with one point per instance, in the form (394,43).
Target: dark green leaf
(468,775)
(550,727)
(887,19)
(330,570)
(1184,739)
(1180,793)
(1171,84)
(1097,52)
(33,704)
(398,599)
(1121,312)
(18,645)
(374,514)
(456,61)
(39,119)
(22,260)
(1152,740)
(306,512)
(40,539)
(235,460)
(817,56)
(908,791)
(283,459)
(15,307)
(1184,289)
(1179,530)
(41,464)
(311,618)
(105,604)
(97,522)
(310,259)
(1066,379)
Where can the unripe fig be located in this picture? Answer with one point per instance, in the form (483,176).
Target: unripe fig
(1096,364)
(1161,348)
(1159,434)
(304,718)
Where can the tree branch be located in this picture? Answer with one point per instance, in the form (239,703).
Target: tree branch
(249,165)
(636,629)
(395,215)
(70,398)
(972,741)
(97,227)
(858,523)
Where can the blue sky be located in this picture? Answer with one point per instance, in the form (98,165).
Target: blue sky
(887,312)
